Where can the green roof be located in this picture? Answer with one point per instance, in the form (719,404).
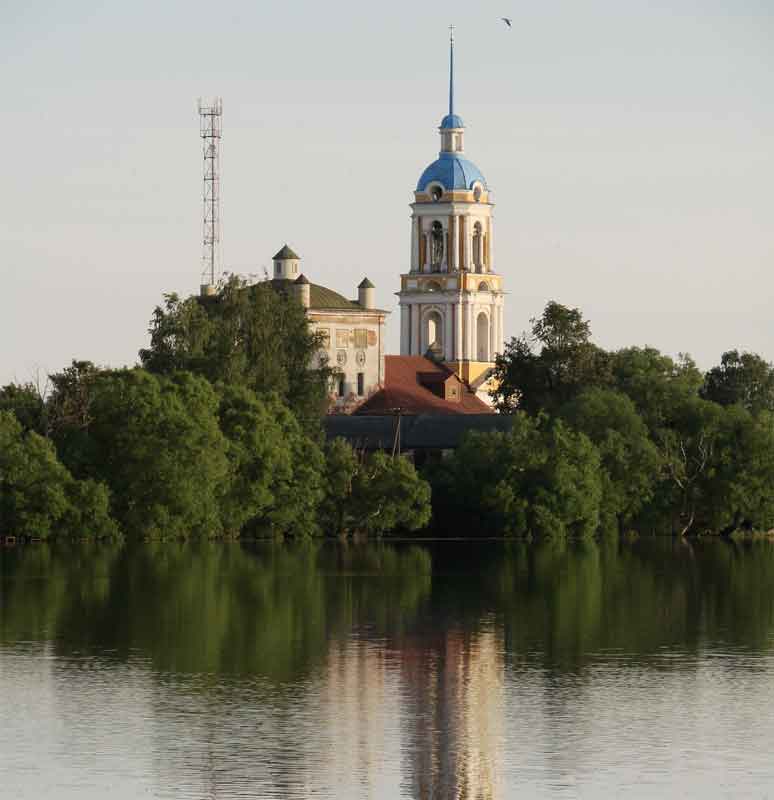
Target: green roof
(285,254)
(366,284)
(320,297)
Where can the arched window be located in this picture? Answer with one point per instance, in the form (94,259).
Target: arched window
(436,246)
(482,337)
(477,247)
(433,286)
(483,286)
(433,330)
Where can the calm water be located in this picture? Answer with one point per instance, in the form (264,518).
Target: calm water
(443,671)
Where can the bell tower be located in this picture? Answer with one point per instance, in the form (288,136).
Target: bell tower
(451,300)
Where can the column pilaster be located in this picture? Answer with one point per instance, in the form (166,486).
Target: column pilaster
(415,342)
(448,343)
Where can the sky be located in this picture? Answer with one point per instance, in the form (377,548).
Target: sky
(629,147)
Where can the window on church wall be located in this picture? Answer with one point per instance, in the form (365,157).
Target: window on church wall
(342,338)
(436,246)
(361,338)
(325,338)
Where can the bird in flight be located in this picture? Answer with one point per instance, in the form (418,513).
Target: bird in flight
(506,21)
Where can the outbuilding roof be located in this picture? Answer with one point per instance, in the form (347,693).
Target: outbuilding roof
(403,388)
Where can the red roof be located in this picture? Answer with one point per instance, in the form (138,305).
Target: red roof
(403,379)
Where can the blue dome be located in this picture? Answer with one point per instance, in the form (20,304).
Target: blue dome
(452,172)
(452,121)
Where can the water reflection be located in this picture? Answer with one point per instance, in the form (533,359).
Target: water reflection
(448,671)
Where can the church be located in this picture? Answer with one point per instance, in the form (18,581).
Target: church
(450,299)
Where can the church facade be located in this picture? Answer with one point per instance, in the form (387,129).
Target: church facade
(351,331)
(451,299)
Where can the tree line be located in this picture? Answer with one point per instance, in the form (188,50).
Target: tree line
(216,432)
(630,440)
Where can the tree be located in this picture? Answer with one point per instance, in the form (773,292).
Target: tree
(654,382)
(742,378)
(253,336)
(275,457)
(630,461)
(257,456)
(341,467)
(38,496)
(387,493)
(372,494)
(155,441)
(566,363)
(539,478)
(26,403)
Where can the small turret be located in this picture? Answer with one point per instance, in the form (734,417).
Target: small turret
(303,290)
(286,264)
(366,294)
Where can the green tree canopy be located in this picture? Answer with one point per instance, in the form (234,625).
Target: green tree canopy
(654,382)
(155,441)
(551,367)
(540,478)
(741,378)
(38,495)
(25,402)
(246,335)
(630,461)
(372,494)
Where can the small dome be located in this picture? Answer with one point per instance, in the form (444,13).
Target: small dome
(365,284)
(302,279)
(452,172)
(452,121)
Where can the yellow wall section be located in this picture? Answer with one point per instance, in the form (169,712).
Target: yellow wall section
(469,371)
(458,196)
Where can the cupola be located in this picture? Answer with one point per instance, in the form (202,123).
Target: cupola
(286,264)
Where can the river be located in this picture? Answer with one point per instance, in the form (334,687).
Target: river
(429,670)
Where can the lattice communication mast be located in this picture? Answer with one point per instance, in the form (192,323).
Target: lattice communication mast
(211,128)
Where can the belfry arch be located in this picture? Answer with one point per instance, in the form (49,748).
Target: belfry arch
(432,331)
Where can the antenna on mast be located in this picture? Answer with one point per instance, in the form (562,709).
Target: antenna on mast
(210,130)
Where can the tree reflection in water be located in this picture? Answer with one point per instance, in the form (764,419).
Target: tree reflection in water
(341,667)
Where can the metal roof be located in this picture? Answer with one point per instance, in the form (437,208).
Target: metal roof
(420,432)
(452,172)
(285,254)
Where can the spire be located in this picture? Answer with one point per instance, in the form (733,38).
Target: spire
(451,120)
(451,70)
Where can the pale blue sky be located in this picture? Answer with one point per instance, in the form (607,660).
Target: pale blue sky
(630,147)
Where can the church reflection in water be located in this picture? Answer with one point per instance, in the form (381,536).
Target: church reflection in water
(452,713)
(431,702)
